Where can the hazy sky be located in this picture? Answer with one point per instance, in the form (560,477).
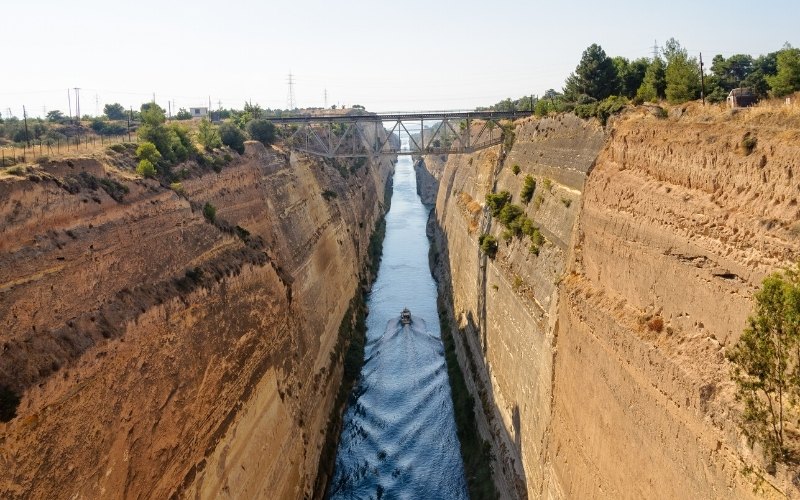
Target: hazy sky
(384,55)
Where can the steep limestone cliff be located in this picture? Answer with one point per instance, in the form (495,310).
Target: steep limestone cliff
(598,365)
(160,353)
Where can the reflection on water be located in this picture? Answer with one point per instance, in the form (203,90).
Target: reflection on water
(399,438)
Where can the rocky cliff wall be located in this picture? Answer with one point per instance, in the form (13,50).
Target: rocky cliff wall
(159,353)
(598,366)
(505,308)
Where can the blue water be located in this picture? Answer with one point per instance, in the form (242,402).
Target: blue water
(398,438)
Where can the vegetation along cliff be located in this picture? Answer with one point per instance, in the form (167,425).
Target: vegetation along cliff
(178,339)
(596,278)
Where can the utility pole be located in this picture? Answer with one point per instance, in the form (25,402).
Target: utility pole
(169,109)
(291,102)
(96,105)
(655,49)
(702,81)
(25,117)
(69,101)
(130,116)
(78,104)
(326,98)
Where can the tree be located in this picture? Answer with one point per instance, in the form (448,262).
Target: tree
(262,131)
(114,111)
(147,151)
(183,114)
(173,142)
(788,78)
(232,136)
(727,74)
(631,74)
(763,66)
(654,85)
(682,74)
(55,116)
(766,362)
(146,169)
(594,76)
(208,135)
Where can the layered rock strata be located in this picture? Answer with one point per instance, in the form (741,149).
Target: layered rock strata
(598,365)
(163,350)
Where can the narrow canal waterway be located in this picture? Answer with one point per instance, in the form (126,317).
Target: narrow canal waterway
(399,437)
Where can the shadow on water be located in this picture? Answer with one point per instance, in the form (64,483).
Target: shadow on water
(399,436)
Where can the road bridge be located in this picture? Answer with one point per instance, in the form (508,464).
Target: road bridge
(347,136)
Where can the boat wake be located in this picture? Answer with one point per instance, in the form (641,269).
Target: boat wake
(398,439)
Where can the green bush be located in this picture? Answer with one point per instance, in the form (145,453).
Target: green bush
(182,114)
(208,135)
(496,201)
(114,111)
(147,151)
(146,169)
(787,79)
(210,212)
(528,187)
(515,169)
(262,131)
(766,364)
(509,214)
(488,244)
(232,136)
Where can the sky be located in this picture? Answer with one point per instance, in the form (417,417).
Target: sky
(387,56)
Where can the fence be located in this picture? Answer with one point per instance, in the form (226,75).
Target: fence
(15,154)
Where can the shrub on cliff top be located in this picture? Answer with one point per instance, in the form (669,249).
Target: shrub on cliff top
(147,151)
(208,135)
(232,136)
(262,131)
(766,364)
(146,169)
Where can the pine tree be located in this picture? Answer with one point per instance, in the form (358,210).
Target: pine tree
(682,75)
(654,84)
(788,78)
(767,363)
(594,76)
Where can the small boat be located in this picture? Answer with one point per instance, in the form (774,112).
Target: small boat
(405,317)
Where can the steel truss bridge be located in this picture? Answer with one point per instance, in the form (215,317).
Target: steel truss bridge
(348,136)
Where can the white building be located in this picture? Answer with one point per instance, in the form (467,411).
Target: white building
(198,112)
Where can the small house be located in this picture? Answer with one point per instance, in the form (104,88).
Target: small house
(741,98)
(198,112)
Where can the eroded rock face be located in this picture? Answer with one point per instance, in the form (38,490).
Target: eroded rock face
(159,353)
(599,364)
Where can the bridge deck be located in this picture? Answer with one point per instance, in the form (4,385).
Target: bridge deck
(410,116)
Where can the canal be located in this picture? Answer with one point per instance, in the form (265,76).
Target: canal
(399,437)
